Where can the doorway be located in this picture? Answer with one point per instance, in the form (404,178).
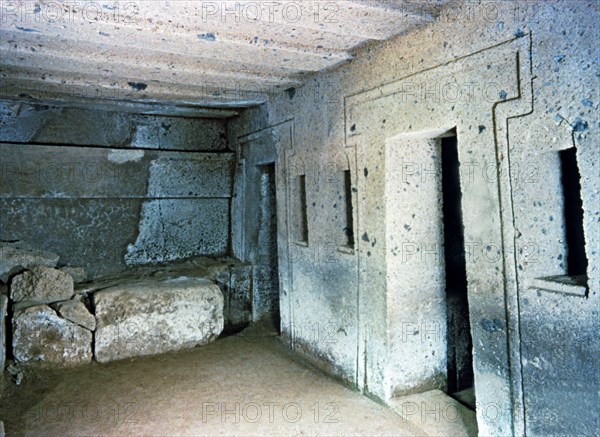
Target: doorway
(459,341)
(266,279)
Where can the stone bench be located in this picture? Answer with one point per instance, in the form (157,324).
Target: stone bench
(233,277)
(144,310)
(151,317)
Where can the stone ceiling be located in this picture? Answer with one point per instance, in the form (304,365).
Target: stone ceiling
(185,57)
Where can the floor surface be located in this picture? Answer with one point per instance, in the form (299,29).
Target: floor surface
(247,384)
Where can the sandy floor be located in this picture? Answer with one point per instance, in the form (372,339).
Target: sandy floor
(247,384)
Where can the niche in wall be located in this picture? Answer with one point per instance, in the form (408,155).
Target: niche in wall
(574,279)
(299,214)
(346,216)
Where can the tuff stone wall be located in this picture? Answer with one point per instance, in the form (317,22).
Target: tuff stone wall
(517,81)
(106,190)
(41,124)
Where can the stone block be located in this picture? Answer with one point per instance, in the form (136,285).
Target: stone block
(218,272)
(197,175)
(40,335)
(76,312)
(16,257)
(155,316)
(41,285)
(85,228)
(235,280)
(172,229)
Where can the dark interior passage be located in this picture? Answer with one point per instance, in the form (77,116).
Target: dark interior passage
(460,357)
(573,210)
(302,218)
(349,228)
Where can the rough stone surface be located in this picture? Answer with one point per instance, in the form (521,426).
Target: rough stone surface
(78,274)
(15,257)
(76,312)
(156,316)
(15,371)
(40,335)
(169,204)
(235,280)
(239,60)
(171,230)
(507,78)
(157,395)
(41,285)
(3,307)
(106,128)
(239,298)
(505,85)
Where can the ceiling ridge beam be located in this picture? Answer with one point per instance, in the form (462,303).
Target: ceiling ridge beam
(128,33)
(26,59)
(33,44)
(32,94)
(322,13)
(137,107)
(98,90)
(215,52)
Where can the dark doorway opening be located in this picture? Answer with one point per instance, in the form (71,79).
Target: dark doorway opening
(300,216)
(460,345)
(573,213)
(267,271)
(349,227)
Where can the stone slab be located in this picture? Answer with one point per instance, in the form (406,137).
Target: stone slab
(42,171)
(76,312)
(155,316)
(41,285)
(180,228)
(81,231)
(41,336)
